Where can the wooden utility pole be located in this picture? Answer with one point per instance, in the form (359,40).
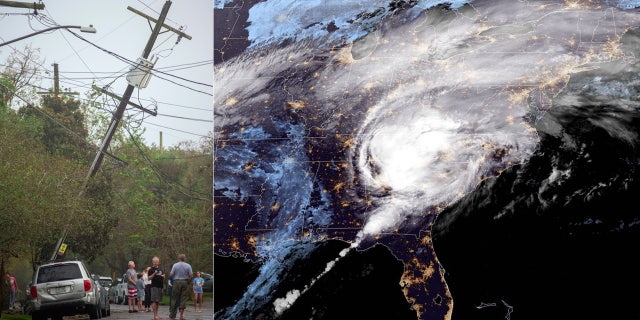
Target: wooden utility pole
(56,83)
(117,116)
(56,80)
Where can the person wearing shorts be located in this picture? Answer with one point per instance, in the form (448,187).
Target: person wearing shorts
(156,275)
(132,289)
(140,288)
(197,283)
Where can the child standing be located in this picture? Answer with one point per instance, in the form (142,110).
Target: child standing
(140,286)
(197,282)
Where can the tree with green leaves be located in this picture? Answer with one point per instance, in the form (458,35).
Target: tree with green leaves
(37,192)
(63,128)
(6,89)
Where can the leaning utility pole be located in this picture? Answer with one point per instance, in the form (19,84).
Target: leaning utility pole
(117,116)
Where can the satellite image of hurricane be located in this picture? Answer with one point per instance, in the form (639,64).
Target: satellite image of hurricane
(426,159)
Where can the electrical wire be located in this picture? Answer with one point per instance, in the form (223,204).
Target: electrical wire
(155,11)
(77,54)
(132,63)
(182,66)
(71,81)
(88,86)
(178,130)
(186,118)
(189,157)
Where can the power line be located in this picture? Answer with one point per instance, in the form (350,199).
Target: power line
(156,12)
(165,127)
(186,118)
(154,72)
(104,36)
(189,157)
(158,102)
(181,106)
(95,77)
(54,23)
(178,66)
(73,82)
(133,63)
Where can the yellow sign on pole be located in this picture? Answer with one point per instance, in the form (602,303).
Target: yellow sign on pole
(63,248)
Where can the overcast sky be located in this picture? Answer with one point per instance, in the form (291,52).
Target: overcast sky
(184,106)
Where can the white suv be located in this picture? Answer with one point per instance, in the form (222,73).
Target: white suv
(63,289)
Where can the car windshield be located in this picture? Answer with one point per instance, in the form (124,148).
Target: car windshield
(105,283)
(58,272)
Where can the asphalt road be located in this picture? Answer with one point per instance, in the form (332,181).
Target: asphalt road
(122,312)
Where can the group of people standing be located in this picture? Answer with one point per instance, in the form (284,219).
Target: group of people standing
(146,287)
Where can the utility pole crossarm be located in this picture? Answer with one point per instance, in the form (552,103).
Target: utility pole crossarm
(180,33)
(112,95)
(17,4)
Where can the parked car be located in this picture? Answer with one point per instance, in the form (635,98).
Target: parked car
(208,282)
(118,291)
(64,288)
(106,282)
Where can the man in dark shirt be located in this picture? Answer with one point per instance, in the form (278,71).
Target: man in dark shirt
(156,275)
